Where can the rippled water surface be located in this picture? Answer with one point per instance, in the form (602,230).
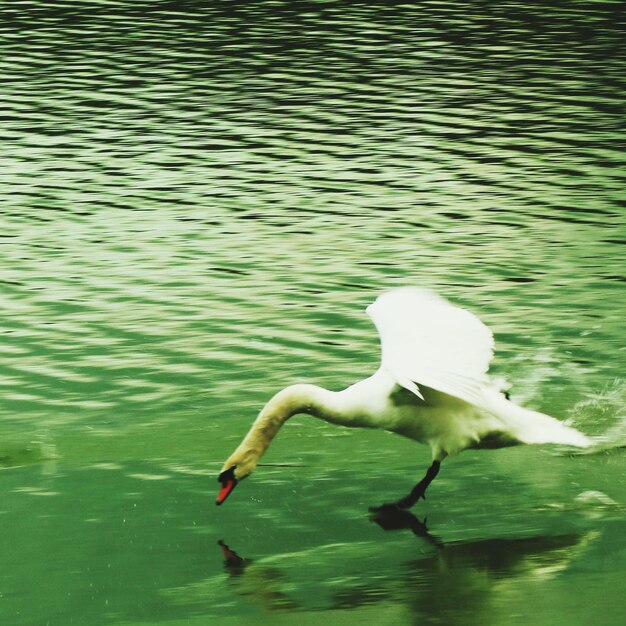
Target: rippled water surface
(198,200)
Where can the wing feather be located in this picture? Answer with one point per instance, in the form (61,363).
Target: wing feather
(427,341)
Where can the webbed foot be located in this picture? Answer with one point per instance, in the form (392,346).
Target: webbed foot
(388,507)
(401,505)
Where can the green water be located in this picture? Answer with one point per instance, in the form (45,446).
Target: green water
(198,200)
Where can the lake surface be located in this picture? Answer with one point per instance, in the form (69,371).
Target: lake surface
(197,202)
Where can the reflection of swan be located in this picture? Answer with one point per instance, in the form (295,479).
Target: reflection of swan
(432,387)
(459,583)
(261,584)
(397,519)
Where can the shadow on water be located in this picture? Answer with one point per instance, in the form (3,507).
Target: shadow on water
(390,520)
(454,584)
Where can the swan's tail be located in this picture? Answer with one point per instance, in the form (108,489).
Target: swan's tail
(535,428)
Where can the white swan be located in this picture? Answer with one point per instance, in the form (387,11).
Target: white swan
(432,386)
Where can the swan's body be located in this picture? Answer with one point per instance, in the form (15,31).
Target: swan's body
(432,387)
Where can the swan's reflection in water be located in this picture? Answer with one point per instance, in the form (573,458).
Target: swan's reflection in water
(401,520)
(261,584)
(451,583)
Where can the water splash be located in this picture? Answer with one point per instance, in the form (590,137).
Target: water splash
(602,415)
(592,504)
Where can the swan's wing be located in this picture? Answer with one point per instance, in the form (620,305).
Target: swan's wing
(426,340)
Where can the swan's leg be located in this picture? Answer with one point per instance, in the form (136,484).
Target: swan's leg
(419,491)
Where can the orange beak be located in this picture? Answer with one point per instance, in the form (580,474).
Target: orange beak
(229,482)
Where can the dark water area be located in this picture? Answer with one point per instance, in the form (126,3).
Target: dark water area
(197,202)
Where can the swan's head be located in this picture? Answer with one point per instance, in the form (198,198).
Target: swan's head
(233,472)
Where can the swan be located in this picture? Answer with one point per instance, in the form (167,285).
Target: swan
(432,386)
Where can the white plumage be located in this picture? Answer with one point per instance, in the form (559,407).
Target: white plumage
(441,353)
(425,340)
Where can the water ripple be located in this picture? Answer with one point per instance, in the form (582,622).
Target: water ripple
(201,197)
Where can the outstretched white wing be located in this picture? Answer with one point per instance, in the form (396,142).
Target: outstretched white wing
(426,340)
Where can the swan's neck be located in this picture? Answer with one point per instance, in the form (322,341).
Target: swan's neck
(326,405)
